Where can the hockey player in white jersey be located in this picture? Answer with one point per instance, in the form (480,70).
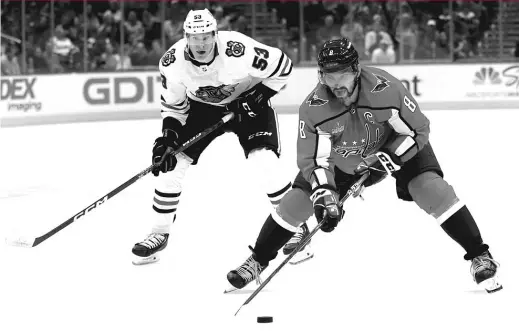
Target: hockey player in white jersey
(205,75)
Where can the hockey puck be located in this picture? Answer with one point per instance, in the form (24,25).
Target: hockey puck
(265,319)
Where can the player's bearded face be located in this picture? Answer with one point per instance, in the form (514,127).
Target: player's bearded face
(341,83)
(201,45)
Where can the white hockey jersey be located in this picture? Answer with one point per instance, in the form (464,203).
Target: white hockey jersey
(240,63)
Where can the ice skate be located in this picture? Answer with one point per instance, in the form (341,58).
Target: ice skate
(484,272)
(250,270)
(305,253)
(147,249)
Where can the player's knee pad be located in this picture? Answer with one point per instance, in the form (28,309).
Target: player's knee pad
(171,181)
(294,209)
(434,195)
(267,166)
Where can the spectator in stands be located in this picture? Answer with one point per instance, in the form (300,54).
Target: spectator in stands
(373,37)
(383,54)
(116,11)
(37,62)
(224,22)
(354,31)
(126,62)
(10,64)
(328,31)
(139,55)
(490,44)
(155,53)
(108,30)
(468,29)
(62,50)
(241,24)
(134,28)
(111,60)
(152,27)
(406,35)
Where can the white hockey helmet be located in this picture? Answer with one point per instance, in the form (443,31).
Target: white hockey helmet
(200,21)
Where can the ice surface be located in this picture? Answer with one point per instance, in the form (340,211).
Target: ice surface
(388,266)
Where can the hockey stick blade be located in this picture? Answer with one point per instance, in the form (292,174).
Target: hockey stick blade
(351,191)
(26,242)
(20,241)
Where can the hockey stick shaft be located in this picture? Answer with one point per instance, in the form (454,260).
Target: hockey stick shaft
(117,190)
(303,242)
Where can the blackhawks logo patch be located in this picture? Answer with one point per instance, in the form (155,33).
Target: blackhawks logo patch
(168,57)
(214,94)
(235,48)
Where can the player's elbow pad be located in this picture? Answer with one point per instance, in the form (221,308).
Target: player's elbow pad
(171,123)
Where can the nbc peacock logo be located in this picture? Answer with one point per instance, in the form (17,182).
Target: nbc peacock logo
(487,76)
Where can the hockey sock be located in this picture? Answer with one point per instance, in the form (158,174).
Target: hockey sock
(270,239)
(276,197)
(462,228)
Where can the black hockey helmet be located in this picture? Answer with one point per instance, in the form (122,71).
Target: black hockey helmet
(336,55)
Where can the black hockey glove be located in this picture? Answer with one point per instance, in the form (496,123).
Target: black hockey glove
(326,206)
(251,102)
(165,145)
(162,154)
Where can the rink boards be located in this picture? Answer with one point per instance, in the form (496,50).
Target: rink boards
(45,99)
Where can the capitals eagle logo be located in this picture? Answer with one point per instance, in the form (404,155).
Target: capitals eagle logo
(382,84)
(213,94)
(315,101)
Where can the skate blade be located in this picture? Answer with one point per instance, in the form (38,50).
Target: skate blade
(146,260)
(491,285)
(304,255)
(230,290)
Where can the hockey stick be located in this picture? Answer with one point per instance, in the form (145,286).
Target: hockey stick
(354,188)
(31,242)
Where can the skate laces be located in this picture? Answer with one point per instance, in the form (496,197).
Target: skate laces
(153,240)
(298,236)
(250,270)
(483,262)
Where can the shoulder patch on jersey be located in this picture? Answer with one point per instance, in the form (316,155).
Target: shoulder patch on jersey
(168,57)
(382,83)
(315,101)
(214,94)
(235,48)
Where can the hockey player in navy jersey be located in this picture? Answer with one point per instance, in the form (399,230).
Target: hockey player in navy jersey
(205,75)
(360,118)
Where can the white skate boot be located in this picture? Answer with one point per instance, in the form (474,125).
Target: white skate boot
(484,272)
(305,253)
(147,249)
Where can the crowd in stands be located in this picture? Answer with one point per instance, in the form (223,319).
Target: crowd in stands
(103,36)
(396,31)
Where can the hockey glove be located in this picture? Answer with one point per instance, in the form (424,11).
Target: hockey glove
(326,206)
(165,145)
(390,164)
(250,102)
(162,157)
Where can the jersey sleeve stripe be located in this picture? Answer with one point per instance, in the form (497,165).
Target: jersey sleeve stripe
(279,65)
(405,146)
(324,149)
(399,125)
(285,72)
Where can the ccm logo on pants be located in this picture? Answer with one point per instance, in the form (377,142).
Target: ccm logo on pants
(259,134)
